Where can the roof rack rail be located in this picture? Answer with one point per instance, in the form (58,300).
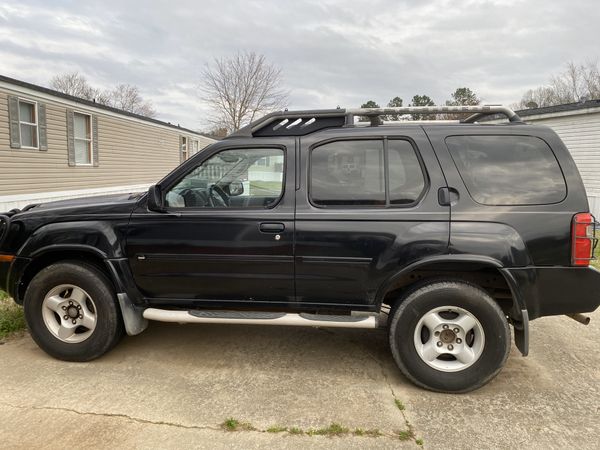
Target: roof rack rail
(300,123)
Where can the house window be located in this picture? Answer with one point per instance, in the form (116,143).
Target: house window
(184,148)
(28,124)
(195,147)
(82,126)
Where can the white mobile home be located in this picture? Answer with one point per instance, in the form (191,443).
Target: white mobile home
(54,146)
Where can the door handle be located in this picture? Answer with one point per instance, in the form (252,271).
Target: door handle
(272,227)
(447,196)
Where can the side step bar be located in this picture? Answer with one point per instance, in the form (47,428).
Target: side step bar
(260,318)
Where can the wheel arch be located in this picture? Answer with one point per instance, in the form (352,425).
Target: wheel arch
(51,254)
(487,272)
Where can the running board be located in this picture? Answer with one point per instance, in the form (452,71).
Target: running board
(260,318)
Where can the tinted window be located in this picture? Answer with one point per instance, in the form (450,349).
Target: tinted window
(508,170)
(348,173)
(240,178)
(353,173)
(406,177)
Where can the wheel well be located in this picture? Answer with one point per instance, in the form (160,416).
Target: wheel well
(488,278)
(52,257)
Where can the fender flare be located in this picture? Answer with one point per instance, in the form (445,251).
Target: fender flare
(130,312)
(520,313)
(66,247)
(17,271)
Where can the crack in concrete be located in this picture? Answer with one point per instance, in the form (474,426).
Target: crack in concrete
(115,415)
(382,434)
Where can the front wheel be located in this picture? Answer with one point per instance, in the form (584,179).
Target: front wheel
(449,336)
(71,312)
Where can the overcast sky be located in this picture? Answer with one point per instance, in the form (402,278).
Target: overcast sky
(331,52)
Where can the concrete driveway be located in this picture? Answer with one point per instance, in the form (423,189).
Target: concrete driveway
(173,387)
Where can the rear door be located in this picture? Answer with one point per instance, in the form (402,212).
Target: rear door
(367,206)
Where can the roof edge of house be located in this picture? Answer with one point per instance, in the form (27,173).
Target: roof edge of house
(52,92)
(566,107)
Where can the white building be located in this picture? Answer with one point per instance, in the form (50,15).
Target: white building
(578,125)
(54,146)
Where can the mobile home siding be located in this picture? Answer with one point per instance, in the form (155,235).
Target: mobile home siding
(131,152)
(581,134)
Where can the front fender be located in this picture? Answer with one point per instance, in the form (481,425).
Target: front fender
(99,237)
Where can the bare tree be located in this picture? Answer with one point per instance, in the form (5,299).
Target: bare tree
(123,96)
(128,98)
(73,84)
(240,88)
(576,83)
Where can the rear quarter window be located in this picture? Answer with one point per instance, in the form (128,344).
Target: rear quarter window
(508,170)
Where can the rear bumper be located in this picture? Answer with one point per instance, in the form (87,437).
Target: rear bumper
(549,291)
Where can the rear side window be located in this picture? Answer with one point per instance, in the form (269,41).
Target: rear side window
(508,170)
(405,174)
(345,173)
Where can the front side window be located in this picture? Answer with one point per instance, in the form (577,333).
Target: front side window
(82,127)
(28,124)
(508,170)
(236,178)
(347,173)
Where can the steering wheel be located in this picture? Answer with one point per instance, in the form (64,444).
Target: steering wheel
(221,199)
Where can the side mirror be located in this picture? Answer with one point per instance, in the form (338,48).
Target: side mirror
(155,202)
(236,188)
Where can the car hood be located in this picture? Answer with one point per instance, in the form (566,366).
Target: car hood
(97,205)
(90,212)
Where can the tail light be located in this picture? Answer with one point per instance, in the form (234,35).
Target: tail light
(583,239)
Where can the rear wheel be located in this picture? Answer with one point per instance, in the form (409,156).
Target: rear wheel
(71,312)
(449,336)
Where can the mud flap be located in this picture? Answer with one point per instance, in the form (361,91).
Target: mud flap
(522,333)
(132,315)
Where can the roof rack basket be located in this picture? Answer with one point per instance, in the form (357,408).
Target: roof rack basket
(300,123)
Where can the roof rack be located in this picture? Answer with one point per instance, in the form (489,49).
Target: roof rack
(300,123)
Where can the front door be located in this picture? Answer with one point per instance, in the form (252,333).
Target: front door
(227,233)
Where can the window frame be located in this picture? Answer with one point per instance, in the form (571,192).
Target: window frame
(504,205)
(91,139)
(36,124)
(193,167)
(184,148)
(384,140)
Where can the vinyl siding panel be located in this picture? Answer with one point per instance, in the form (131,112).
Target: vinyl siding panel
(130,153)
(581,135)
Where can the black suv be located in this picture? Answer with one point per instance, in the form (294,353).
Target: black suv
(446,233)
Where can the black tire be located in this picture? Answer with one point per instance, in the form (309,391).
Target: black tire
(423,299)
(108,328)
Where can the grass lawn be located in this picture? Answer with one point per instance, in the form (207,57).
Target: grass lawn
(11,316)
(265,187)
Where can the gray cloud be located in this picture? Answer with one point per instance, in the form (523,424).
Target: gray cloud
(331,52)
